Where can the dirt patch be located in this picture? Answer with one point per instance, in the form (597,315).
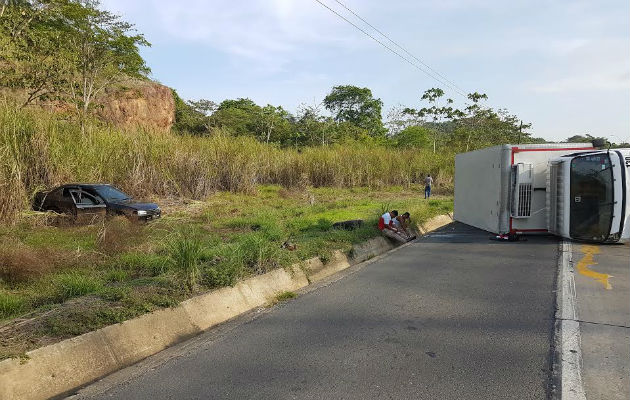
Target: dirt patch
(176,205)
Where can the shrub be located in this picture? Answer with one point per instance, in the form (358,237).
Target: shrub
(19,263)
(10,305)
(185,254)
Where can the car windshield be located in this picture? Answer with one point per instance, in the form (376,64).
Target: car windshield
(110,193)
(591,197)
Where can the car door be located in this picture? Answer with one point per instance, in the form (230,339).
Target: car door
(85,204)
(61,201)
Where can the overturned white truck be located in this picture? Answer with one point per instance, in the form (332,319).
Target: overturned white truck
(572,190)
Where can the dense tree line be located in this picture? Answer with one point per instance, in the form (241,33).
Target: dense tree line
(70,51)
(351,113)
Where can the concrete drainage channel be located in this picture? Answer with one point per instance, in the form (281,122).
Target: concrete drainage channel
(62,367)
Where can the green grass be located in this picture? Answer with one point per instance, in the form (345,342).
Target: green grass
(192,249)
(116,275)
(284,296)
(79,239)
(10,305)
(75,284)
(185,253)
(39,148)
(143,263)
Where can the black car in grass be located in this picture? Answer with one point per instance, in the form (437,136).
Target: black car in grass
(81,198)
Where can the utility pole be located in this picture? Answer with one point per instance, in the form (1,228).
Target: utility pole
(520,130)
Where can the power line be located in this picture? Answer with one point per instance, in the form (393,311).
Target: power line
(450,83)
(389,48)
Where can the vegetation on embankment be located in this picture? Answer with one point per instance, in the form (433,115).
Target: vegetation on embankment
(57,282)
(39,150)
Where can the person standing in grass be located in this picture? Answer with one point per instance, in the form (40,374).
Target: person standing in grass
(428,182)
(387,226)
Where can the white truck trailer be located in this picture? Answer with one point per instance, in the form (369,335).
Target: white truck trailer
(538,188)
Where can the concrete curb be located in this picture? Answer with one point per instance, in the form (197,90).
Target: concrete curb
(62,367)
(434,223)
(567,365)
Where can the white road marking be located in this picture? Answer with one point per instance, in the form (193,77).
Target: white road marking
(570,346)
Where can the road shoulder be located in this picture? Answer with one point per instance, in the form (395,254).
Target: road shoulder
(604,308)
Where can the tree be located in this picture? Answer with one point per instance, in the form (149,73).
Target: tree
(236,116)
(66,49)
(474,114)
(312,127)
(189,118)
(203,106)
(244,117)
(106,51)
(583,138)
(399,118)
(437,114)
(275,124)
(33,51)
(413,137)
(356,105)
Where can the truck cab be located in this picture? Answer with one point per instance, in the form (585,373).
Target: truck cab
(588,196)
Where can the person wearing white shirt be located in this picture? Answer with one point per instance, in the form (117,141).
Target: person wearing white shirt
(387,226)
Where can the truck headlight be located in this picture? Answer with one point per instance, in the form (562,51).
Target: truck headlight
(141,212)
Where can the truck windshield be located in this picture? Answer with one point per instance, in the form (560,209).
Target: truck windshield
(591,197)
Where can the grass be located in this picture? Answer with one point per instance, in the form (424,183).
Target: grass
(281,297)
(197,246)
(284,296)
(117,275)
(143,263)
(227,215)
(186,254)
(75,284)
(40,149)
(10,305)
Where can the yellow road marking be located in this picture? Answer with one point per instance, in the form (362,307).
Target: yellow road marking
(582,266)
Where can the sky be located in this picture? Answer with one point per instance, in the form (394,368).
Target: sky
(561,65)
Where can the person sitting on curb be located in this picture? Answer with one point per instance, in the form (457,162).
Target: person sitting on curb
(386,225)
(401,223)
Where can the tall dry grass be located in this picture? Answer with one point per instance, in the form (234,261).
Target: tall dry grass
(39,150)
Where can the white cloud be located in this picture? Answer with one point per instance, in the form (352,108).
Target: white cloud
(598,82)
(602,65)
(268,33)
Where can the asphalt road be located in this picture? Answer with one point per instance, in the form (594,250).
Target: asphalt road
(451,316)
